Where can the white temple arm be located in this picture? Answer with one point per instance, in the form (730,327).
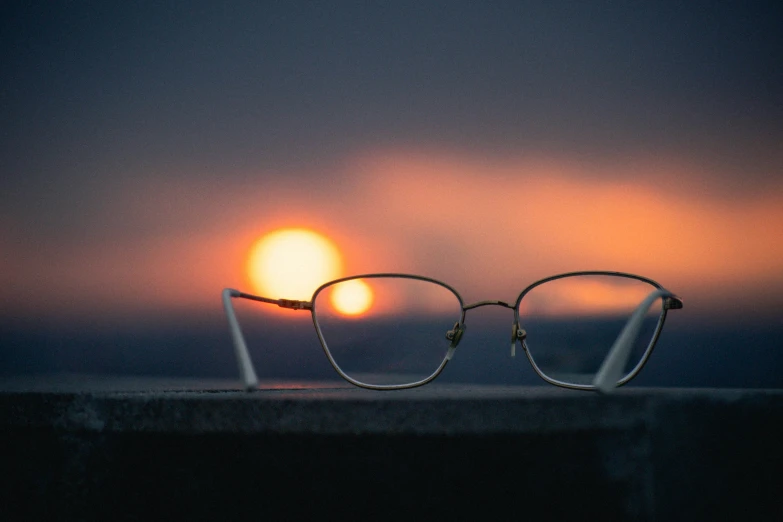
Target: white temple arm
(246,371)
(612,368)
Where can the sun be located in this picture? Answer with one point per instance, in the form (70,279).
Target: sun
(292,263)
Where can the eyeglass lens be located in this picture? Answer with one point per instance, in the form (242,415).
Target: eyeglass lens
(386,330)
(572,323)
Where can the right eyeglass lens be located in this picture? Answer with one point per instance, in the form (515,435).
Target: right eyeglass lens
(572,323)
(383,331)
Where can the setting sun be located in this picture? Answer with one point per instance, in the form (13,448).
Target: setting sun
(352,297)
(292,263)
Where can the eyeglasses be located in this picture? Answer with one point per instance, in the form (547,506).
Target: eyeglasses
(580,330)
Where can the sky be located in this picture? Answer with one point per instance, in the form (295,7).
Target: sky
(147,145)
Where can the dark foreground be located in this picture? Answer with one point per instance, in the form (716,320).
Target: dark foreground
(133,450)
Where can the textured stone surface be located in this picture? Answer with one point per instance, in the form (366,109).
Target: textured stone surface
(87,449)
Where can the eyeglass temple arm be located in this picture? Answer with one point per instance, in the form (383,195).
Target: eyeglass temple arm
(612,368)
(246,371)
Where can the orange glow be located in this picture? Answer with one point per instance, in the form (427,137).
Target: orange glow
(585,297)
(388,296)
(353,297)
(292,263)
(517,220)
(488,226)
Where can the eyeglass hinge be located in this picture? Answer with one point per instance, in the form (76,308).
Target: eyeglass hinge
(294,304)
(672,303)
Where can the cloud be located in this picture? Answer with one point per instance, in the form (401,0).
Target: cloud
(488,226)
(556,215)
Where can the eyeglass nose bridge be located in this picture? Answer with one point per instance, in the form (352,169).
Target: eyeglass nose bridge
(455,334)
(488,303)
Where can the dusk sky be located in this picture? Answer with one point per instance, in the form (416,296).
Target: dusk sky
(147,145)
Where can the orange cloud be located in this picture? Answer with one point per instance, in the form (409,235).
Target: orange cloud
(519,220)
(486,226)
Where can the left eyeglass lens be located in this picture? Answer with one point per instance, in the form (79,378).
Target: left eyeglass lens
(385,331)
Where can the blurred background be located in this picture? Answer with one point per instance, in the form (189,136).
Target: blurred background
(147,146)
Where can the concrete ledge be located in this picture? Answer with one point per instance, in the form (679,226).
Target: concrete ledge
(457,452)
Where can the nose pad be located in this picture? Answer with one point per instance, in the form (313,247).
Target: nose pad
(517,333)
(455,334)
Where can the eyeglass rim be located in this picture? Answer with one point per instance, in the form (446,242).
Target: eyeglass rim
(647,352)
(441,367)
(332,360)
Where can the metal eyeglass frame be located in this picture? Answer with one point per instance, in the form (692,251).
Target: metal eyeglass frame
(608,377)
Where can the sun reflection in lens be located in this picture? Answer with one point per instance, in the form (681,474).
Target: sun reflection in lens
(353,297)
